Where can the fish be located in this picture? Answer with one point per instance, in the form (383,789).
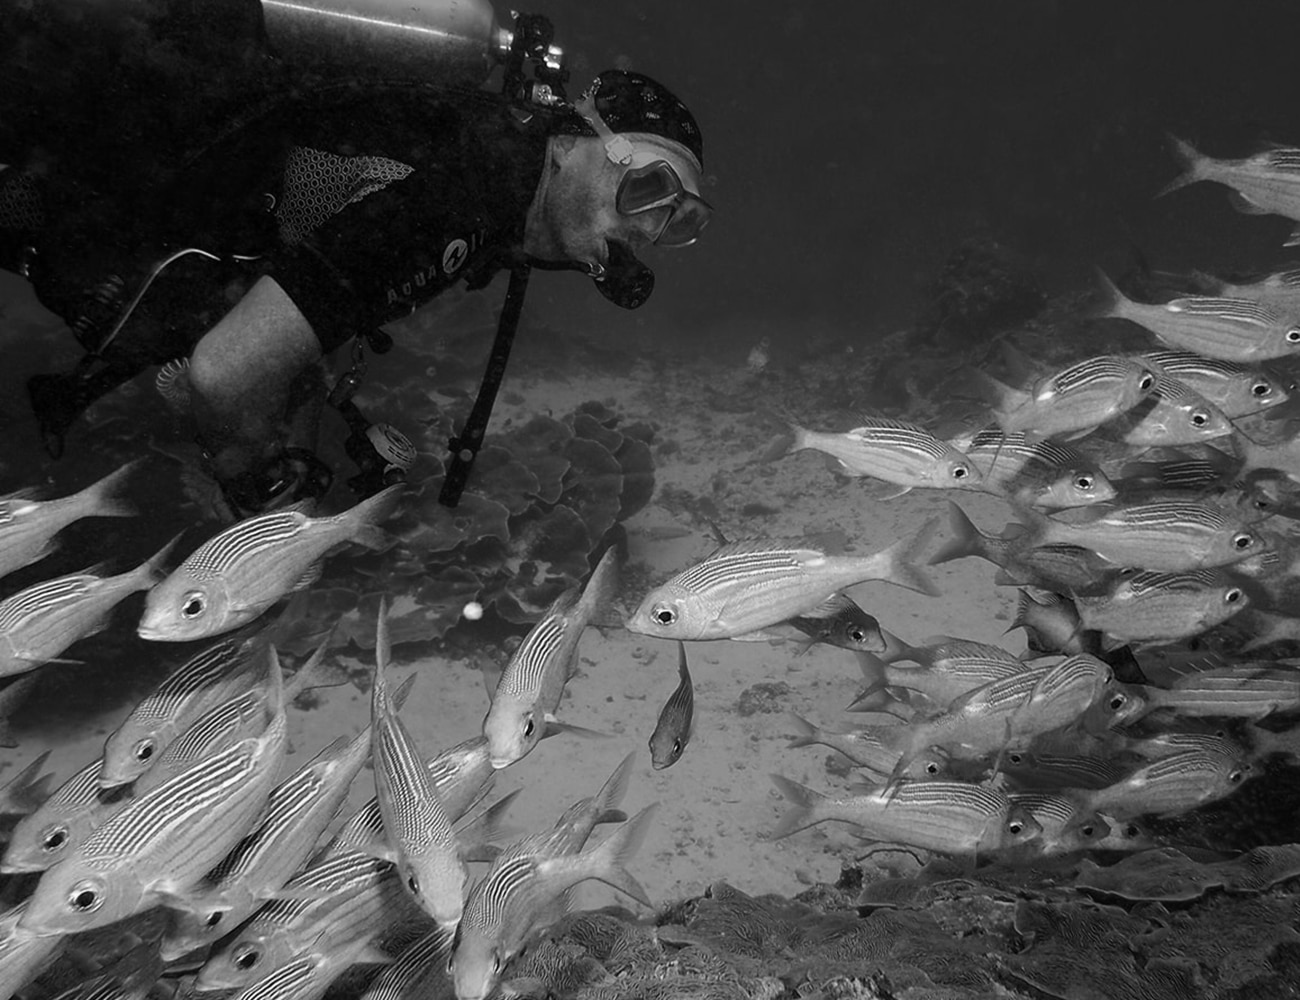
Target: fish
(1244,691)
(236,576)
(60,823)
(1226,329)
(415,969)
(1039,473)
(151,850)
(1174,414)
(297,813)
(868,751)
(205,680)
(423,844)
(28,525)
(503,906)
(941,683)
(12,698)
(532,684)
(1073,402)
(1036,770)
(37,624)
(23,954)
(839,621)
(893,451)
(955,818)
(744,587)
(24,792)
(1163,534)
(1282,455)
(1169,786)
(676,722)
(1052,625)
(309,975)
(1280,290)
(1064,827)
(1150,606)
(1267,183)
(1237,390)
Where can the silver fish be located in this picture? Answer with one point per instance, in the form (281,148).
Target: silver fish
(532,684)
(308,976)
(1244,691)
(62,822)
(1170,535)
(157,845)
(1170,786)
(234,577)
(1235,389)
(1174,414)
(893,451)
(941,684)
(1267,183)
(1073,402)
(39,623)
(1154,606)
(424,847)
(949,817)
(419,962)
(839,621)
(676,719)
(867,751)
(1280,291)
(23,954)
(1065,828)
(1040,473)
(1227,329)
(297,813)
(504,906)
(745,587)
(28,525)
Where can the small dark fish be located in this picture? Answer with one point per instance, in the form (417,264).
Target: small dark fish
(676,719)
(839,622)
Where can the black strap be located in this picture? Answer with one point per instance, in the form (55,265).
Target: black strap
(465,447)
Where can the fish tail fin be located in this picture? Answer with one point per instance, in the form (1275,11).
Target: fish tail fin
(614,790)
(29,787)
(806,807)
(896,649)
(479,835)
(1192,162)
(151,570)
(873,672)
(276,701)
(966,539)
(102,499)
(616,850)
(902,557)
(365,517)
(601,587)
(1026,610)
(1001,398)
(1113,303)
(805,732)
(309,672)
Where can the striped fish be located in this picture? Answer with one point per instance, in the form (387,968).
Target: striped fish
(61,823)
(39,623)
(1228,329)
(505,905)
(745,587)
(941,683)
(297,813)
(949,817)
(1242,691)
(1267,183)
(1046,771)
(309,976)
(868,751)
(1040,473)
(28,525)
(159,844)
(23,954)
(1073,402)
(1170,786)
(676,719)
(1175,414)
(424,847)
(1279,291)
(233,578)
(893,451)
(1153,606)
(1235,389)
(421,962)
(203,681)
(1065,827)
(532,684)
(1167,744)
(1170,535)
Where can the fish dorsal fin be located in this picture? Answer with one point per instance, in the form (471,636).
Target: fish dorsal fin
(747,546)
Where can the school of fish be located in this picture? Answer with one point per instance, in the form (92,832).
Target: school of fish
(1153,498)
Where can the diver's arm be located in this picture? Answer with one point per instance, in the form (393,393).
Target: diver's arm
(240,373)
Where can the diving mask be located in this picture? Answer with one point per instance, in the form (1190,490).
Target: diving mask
(654,189)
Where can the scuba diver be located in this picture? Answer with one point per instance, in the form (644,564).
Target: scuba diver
(311,224)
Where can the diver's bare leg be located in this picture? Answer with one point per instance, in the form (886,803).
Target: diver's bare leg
(240,377)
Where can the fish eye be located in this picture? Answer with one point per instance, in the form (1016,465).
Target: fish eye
(857,635)
(1015,827)
(1200,418)
(932,768)
(1083,482)
(1117,701)
(1261,389)
(144,750)
(413,884)
(1088,830)
(664,614)
(960,472)
(1016,758)
(194,605)
(1236,776)
(1146,381)
(529,726)
(246,957)
(1293,336)
(1243,541)
(496,962)
(85,897)
(1131,831)
(54,838)
(1232,596)
(214,918)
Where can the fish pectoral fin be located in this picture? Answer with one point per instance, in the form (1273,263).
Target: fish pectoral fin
(878,489)
(480,852)
(1244,205)
(312,574)
(552,723)
(379,850)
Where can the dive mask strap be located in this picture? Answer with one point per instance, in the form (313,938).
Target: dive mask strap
(618,148)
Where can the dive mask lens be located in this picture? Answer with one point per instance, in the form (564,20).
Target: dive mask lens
(656,187)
